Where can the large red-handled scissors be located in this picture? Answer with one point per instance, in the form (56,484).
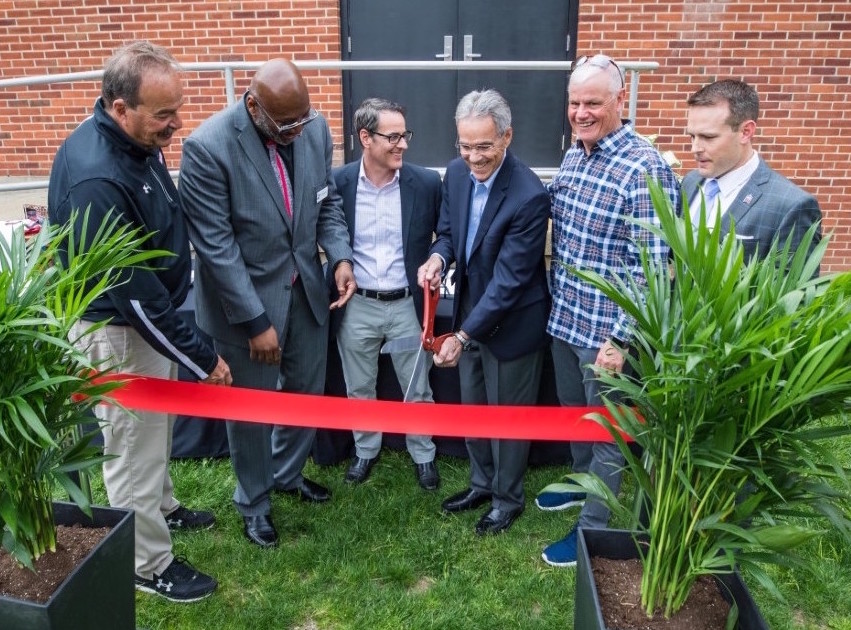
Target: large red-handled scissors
(431,343)
(424,342)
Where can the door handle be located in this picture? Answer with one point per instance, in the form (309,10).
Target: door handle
(469,55)
(447,49)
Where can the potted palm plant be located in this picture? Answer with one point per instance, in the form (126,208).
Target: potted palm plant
(47,392)
(741,369)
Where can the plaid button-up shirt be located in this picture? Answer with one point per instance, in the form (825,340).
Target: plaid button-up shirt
(592,198)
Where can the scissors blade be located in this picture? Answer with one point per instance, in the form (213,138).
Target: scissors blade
(419,363)
(402,344)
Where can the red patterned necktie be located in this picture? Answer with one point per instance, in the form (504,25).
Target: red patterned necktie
(281,174)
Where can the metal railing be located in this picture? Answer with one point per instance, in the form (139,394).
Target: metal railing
(632,68)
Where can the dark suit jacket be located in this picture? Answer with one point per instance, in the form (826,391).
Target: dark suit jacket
(768,207)
(505,276)
(247,245)
(419,189)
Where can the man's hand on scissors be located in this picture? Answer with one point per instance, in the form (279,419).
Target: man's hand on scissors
(430,271)
(450,353)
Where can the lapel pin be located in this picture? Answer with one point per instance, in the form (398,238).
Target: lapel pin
(748,198)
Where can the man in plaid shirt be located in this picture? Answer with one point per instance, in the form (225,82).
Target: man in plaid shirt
(598,190)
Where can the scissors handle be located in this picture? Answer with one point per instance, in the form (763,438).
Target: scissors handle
(430,299)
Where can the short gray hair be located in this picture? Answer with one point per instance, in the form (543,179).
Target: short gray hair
(480,104)
(123,72)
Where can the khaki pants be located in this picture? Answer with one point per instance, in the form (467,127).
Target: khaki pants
(138,478)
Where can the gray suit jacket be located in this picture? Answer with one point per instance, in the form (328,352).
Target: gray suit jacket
(246,244)
(768,207)
(419,189)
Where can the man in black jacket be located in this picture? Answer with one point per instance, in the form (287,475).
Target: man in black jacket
(113,165)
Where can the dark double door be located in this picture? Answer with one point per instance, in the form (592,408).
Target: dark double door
(492,30)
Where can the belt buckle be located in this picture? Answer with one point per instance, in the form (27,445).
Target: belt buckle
(389,296)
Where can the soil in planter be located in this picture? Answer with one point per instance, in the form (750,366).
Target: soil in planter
(619,589)
(73,543)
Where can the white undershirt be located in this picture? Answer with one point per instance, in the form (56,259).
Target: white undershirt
(377,253)
(729,185)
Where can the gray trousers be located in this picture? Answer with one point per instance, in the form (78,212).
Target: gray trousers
(576,385)
(364,327)
(264,457)
(498,466)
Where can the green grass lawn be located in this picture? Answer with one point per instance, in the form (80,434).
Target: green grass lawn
(382,556)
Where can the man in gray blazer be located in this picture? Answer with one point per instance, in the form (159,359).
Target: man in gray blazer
(258,196)
(763,205)
(391,209)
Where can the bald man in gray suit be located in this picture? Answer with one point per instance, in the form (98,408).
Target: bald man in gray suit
(257,192)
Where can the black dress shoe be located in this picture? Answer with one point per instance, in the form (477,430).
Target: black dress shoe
(427,476)
(260,530)
(309,491)
(468,499)
(496,521)
(359,469)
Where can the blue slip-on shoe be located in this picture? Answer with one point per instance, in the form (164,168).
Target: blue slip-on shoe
(563,552)
(555,501)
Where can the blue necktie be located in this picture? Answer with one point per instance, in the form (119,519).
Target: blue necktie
(477,207)
(710,192)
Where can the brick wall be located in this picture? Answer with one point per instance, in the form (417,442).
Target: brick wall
(60,36)
(797,54)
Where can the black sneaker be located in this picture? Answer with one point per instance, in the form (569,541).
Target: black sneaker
(183,519)
(180,582)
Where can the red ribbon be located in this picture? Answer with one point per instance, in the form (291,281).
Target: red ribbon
(331,412)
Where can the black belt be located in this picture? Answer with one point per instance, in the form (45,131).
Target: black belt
(385,296)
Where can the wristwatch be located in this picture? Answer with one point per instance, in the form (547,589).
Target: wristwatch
(465,343)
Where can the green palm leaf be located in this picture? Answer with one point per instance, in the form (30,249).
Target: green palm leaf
(740,370)
(42,295)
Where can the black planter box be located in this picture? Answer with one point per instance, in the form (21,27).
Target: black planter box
(99,593)
(618,544)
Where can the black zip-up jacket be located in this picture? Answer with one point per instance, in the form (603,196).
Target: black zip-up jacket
(101,167)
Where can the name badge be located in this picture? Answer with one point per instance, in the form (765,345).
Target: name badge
(321,194)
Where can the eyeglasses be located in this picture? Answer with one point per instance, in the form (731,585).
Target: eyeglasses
(484,147)
(312,114)
(394,138)
(600,61)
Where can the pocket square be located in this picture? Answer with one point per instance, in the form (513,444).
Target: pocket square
(745,237)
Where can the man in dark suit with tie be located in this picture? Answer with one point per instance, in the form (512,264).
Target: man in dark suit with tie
(493,226)
(391,210)
(259,199)
(763,205)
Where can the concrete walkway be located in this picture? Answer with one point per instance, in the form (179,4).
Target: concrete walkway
(12,203)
